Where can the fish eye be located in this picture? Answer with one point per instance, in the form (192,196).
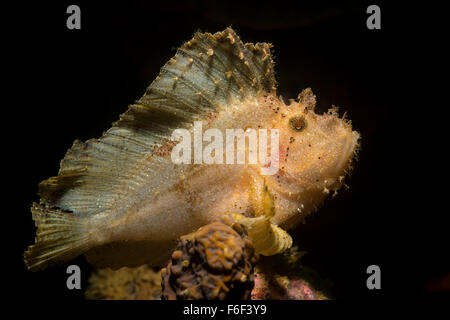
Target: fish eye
(297,123)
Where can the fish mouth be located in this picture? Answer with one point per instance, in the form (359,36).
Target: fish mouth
(350,150)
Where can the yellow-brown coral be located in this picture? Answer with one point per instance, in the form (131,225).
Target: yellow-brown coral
(141,283)
(215,262)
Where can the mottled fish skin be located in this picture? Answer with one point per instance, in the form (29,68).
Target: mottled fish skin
(121,200)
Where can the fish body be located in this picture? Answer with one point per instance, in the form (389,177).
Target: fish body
(123,200)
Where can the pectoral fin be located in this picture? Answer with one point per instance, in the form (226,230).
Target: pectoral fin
(268,238)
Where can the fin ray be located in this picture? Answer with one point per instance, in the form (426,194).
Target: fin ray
(268,238)
(60,237)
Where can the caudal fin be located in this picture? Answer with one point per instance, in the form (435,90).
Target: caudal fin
(60,237)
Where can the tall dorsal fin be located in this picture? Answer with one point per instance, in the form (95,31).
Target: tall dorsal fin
(206,73)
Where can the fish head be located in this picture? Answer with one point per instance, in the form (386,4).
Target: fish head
(315,150)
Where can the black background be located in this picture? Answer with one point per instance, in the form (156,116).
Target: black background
(72,84)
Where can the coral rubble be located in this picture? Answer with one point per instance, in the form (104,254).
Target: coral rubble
(279,287)
(284,277)
(141,283)
(215,262)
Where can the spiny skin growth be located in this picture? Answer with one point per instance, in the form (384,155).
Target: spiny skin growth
(122,201)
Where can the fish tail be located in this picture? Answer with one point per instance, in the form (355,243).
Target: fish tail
(60,237)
